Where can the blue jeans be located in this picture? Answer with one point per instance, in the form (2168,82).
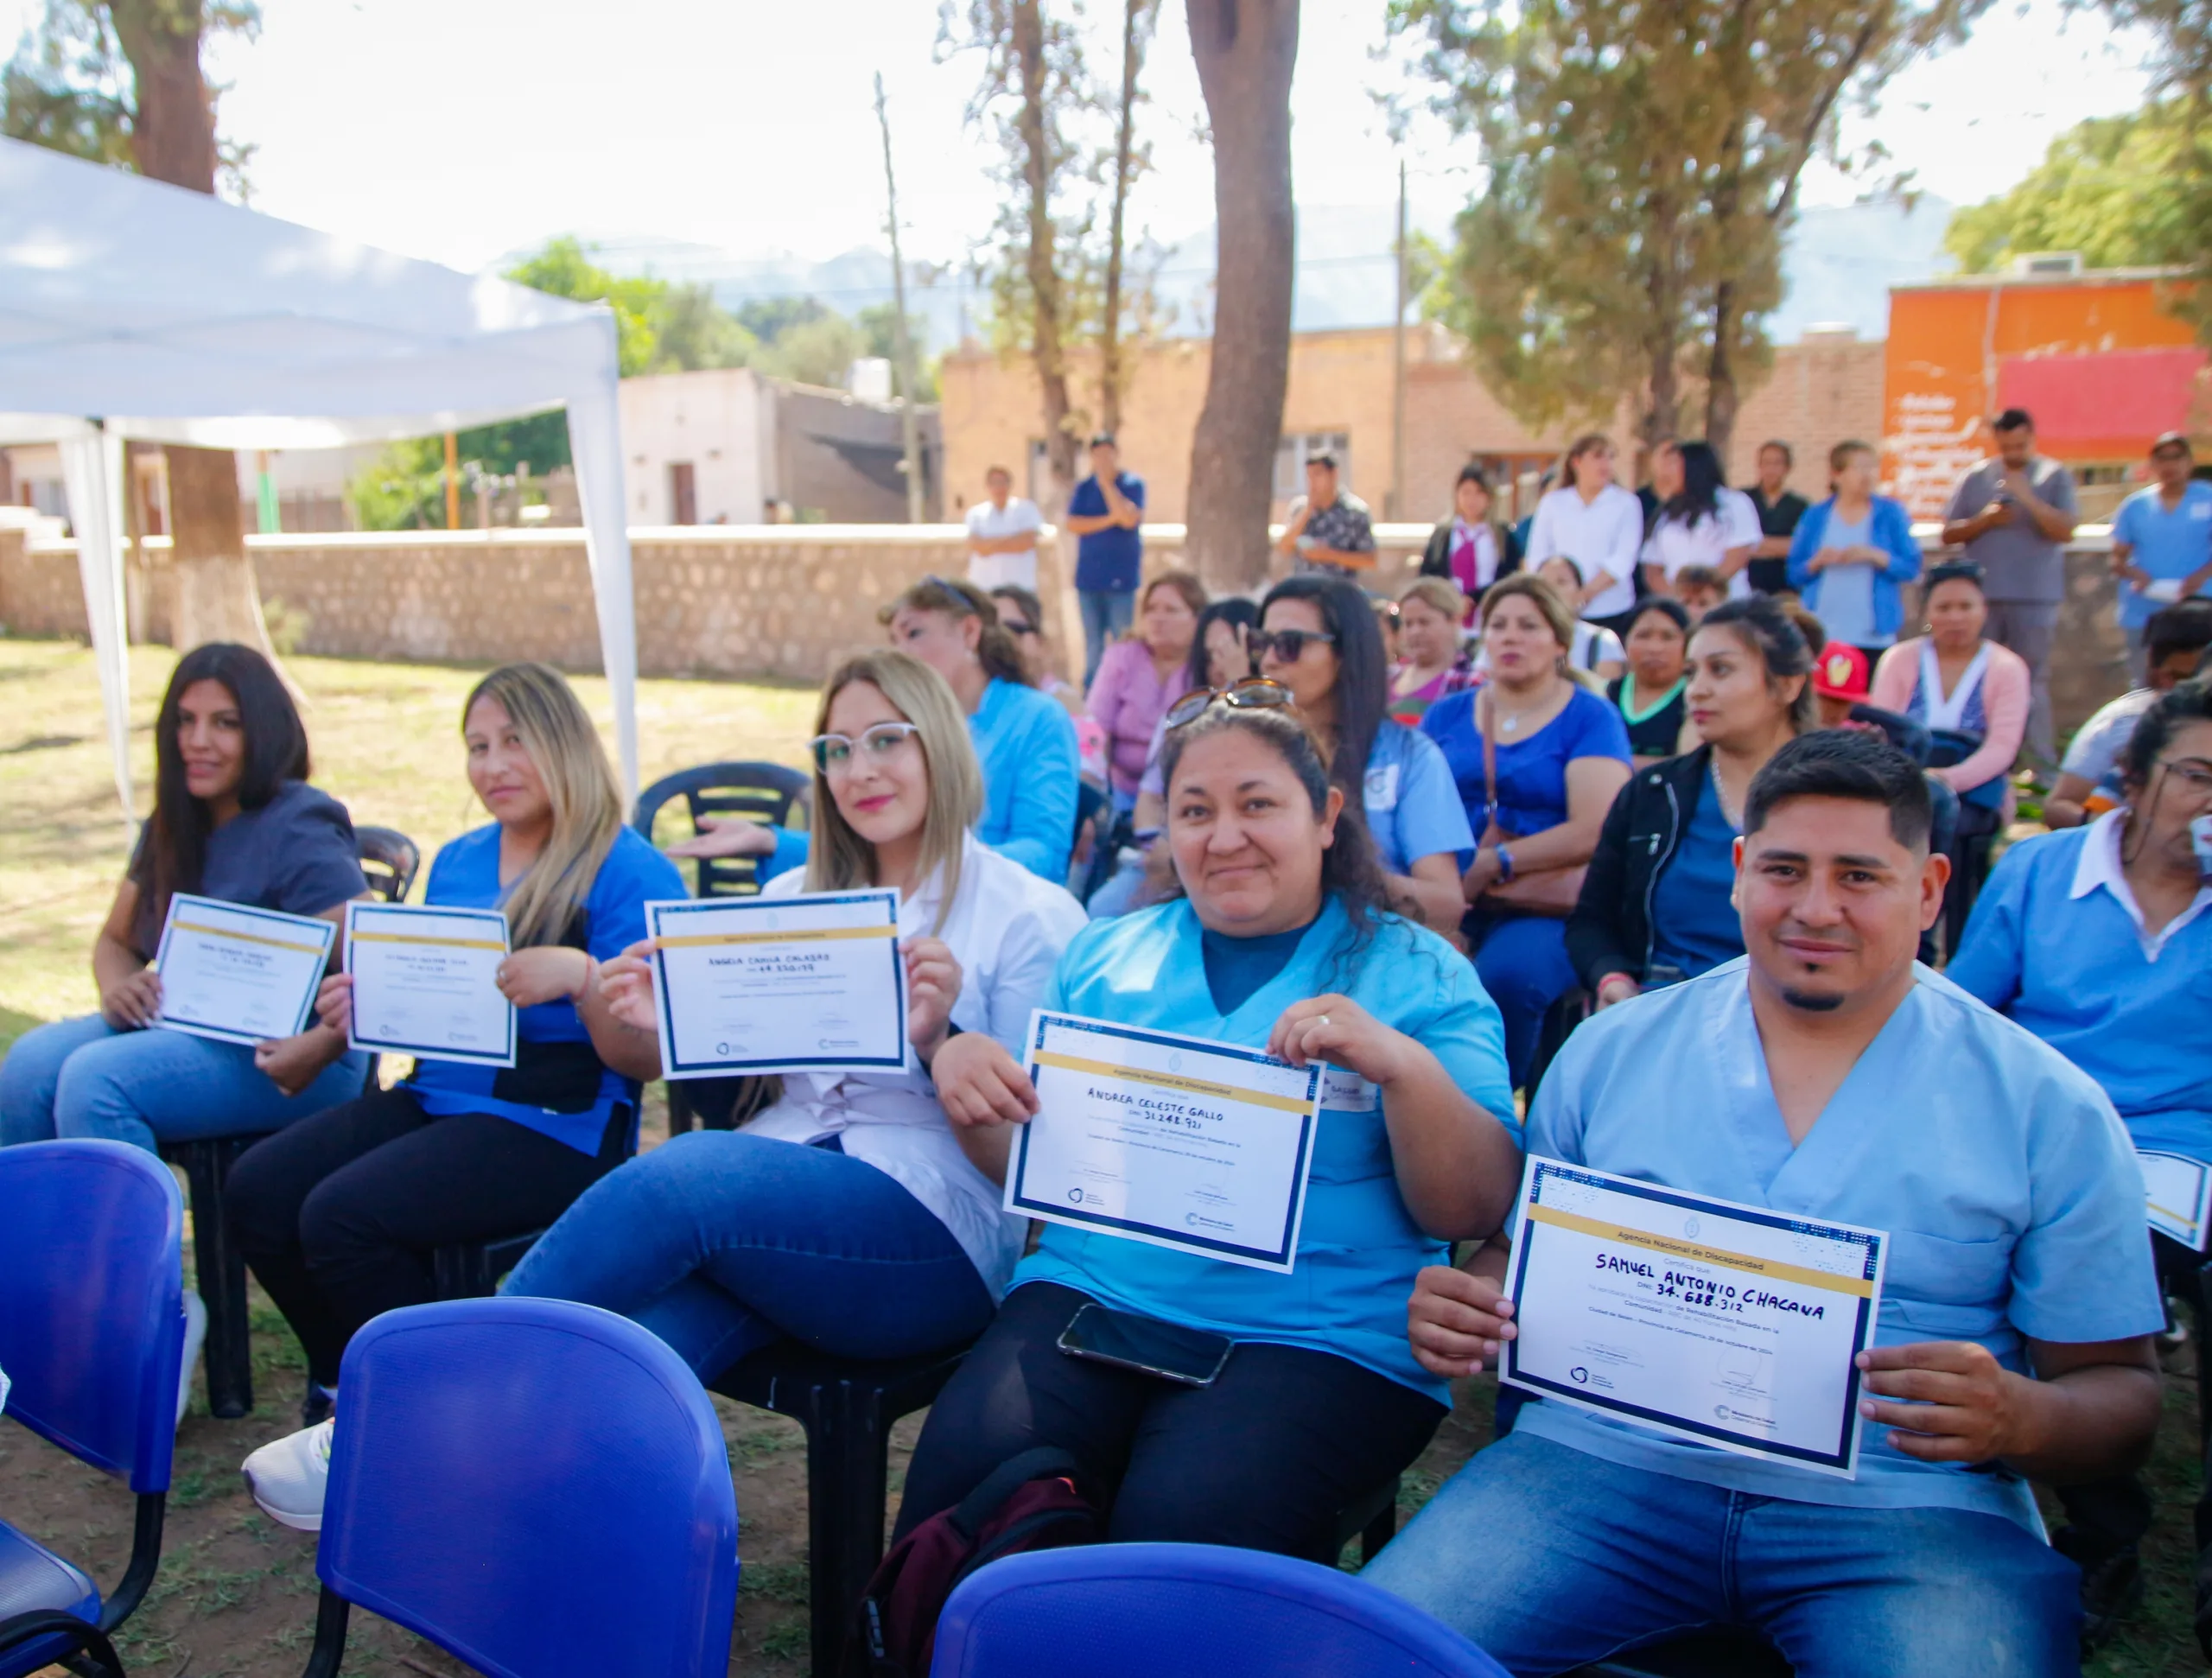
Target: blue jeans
(1105,612)
(1549,1558)
(1522,964)
(83,1077)
(721,1242)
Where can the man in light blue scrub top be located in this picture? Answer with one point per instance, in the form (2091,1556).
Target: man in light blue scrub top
(2161,541)
(1798,1078)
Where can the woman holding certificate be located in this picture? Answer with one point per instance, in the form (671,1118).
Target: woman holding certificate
(845,1214)
(337,1216)
(1289,1390)
(235,820)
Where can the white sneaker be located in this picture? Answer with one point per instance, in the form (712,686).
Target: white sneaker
(195,1336)
(288,1477)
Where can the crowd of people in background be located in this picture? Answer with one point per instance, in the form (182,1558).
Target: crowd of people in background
(1632,837)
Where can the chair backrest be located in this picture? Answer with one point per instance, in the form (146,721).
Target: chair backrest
(1169,1609)
(536,1486)
(390,858)
(763,793)
(92,1305)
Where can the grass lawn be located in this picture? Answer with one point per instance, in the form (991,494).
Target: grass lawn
(236,1594)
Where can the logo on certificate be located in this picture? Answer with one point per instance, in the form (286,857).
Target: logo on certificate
(1175,1062)
(1691,1228)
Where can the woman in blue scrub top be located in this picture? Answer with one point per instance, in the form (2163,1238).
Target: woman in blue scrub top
(337,1214)
(1280,941)
(1318,637)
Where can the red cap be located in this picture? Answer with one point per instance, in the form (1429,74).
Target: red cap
(1841,673)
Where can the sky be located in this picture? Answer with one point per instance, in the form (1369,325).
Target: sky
(460,131)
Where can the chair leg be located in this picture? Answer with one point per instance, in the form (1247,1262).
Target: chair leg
(1378,1532)
(681,1117)
(848,1458)
(329,1651)
(221,1270)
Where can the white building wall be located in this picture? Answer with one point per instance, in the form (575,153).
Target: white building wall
(713,420)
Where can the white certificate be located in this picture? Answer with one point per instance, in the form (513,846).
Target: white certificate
(2177,1189)
(809,984)
(1729,1325)
(1179,1142)
(239,974)
(425,983)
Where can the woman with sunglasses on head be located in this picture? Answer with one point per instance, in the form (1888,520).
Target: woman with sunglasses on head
(338,1215)
(1537,759)
(1023,616)
(1138,678)
(2099,940)
(1279,938)
(1317,639)
(845,1214)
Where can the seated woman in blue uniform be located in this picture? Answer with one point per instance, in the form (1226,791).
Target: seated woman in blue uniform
(2114,914)
(338,1214)
(1280,940)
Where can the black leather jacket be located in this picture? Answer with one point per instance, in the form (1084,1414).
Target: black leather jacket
(1609,931)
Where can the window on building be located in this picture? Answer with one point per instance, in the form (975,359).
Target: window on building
(1291,454)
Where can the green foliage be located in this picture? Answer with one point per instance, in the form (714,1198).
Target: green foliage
(691,331)
(878,335)
(565,269)
(769,318)
(818,351)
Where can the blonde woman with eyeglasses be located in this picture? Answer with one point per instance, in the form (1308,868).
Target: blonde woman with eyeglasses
(845,1215)
(338,1214)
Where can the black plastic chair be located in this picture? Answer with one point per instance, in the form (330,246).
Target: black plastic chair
(472,1271)
(762,792)
(1717,1652)
(847,1408)
(390,860)
(1373,1520)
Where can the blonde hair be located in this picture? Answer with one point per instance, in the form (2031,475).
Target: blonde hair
(580,785)
(1440,594)
(840,860)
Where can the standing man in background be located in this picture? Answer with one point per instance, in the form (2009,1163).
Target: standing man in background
(2014,515)
(1003,536)
(2161,544)
(1779,508)
(1329,531)
(1105,513)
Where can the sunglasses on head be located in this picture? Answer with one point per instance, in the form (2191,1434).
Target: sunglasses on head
(1253,693)
(1287,644)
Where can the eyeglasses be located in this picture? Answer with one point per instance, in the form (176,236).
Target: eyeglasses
(879,742)
(1015,626)
(1287,644)
(1253,693)
(2193,773)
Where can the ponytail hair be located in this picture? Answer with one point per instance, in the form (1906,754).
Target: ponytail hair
(996,650)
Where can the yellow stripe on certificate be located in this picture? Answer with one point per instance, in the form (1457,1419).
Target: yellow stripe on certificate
(247,938)
(416,938)
(1191,1086)
(1774,1269)
(808,935)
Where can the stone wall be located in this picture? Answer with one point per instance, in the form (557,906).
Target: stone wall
(779,601)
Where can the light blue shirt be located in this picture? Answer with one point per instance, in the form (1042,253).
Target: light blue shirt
(2003,1177)
(1358,1248)
(2127,1008)
(1847,608)
(2166,544)
(1413,804)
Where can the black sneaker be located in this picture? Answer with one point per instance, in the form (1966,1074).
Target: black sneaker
(2112,1585)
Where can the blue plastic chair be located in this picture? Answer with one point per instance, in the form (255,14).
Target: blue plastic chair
(92,1336)
(539,1488)
(1106,1610)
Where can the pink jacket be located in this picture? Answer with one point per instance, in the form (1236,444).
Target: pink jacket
(1127,697)
(2004,692)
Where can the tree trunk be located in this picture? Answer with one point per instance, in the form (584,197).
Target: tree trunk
(1245,51)
(1720,393)
(173,138)
(1111,375)
(1047,320)
(1662,283)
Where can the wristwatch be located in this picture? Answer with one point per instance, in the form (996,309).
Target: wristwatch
(1504,865)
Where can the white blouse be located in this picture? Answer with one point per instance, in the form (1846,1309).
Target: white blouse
(1006,930)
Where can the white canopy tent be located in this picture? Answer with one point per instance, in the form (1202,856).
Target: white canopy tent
(133,309)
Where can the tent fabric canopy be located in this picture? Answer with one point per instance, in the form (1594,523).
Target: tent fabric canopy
(129,308)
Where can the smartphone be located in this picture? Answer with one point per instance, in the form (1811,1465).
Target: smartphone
(1191,1356)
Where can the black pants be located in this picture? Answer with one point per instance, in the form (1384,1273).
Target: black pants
(1265,1458)
(338,1213)
(2112,1514)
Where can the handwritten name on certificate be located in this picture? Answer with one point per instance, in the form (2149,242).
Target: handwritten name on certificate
(1729,1325)
(2177,1189)
(236,973)
(1179,1142)
(425,983)
(813,983)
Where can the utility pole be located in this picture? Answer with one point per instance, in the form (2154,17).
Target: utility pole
(452,482)
(1396,505)
(902,343)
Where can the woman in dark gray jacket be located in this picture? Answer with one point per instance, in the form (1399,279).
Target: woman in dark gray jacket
(1655,904)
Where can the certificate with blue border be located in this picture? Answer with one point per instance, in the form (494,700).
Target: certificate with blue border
(2178,1192)
(239,974)
(425,983)
(1177,1141)
(811,982)
(1735,1326)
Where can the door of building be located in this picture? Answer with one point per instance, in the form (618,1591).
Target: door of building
(683,492)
